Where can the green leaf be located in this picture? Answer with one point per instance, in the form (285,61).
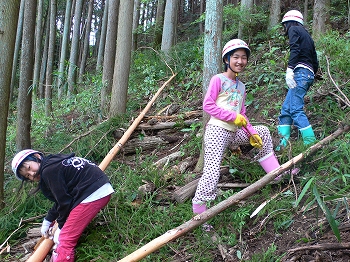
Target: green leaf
(303,192)
(332,222)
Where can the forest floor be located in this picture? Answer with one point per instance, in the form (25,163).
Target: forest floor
(308,238)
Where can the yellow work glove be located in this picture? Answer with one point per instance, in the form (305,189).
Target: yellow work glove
(255,141)
(240,120)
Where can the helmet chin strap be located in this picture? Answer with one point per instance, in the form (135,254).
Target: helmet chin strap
(236,74)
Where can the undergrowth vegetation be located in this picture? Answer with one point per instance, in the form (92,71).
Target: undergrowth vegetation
(130,220)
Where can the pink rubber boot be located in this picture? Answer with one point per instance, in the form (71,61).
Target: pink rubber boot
(198,209)
(270,163)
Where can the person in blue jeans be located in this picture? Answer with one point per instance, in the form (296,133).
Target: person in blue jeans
(301,70)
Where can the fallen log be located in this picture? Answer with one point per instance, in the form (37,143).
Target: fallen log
(45,246)
(189,114)
(168,158)
(147,143)
(233,185)
(198,220)
(165,125)
(187,191)
(324,246)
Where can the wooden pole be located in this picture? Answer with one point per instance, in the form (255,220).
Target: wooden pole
(42,250)
(45,246)
(111,154)
(236,198)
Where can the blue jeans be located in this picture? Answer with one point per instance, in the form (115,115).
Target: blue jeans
(292,111)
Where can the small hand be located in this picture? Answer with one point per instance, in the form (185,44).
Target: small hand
(240,121)
(256,141)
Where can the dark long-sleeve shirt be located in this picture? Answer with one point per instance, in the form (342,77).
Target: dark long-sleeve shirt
(302,49)
(67,180)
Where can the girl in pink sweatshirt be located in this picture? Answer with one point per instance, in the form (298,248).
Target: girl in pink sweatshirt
(228,124)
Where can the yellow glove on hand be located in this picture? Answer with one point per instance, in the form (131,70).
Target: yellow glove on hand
(255,141)
(240,120)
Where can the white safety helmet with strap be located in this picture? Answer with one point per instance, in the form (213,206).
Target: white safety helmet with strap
(293,15)
(233,45)
(18,159)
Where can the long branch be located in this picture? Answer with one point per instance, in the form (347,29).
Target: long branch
(236,198)
(336,86)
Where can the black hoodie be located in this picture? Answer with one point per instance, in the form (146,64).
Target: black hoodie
(67,180)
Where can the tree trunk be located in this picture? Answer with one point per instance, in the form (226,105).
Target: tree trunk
(202,8)
(50,58)
(64,46)
(246,8)
(122,59)
(9,11)
(159,23)
(109,54)
(44,60)
(135,24)
(38,46)
(19,32)
(74,52)
(102,43)
(305,13)
(169,25)
(212,54)
(320,18)
(24,102)
(275,12)
(348,13)
(86,41)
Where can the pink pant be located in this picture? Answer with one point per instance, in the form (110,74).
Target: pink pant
(77,221)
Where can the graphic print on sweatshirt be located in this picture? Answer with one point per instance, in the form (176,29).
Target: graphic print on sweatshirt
(77,162)
(233,91)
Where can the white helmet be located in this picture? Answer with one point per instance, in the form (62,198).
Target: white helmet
(235,44)
(293,15)
(18,158)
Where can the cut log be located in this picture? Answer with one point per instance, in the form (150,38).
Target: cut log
(165,125)
(167,159)
(147,143)
(233,185)
(190,114)
(324,246)
(184,165)
(188,190)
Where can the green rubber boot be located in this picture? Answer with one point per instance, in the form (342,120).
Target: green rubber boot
(308,135)
(284,132)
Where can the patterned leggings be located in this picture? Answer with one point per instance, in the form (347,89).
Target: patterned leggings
(216,141)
